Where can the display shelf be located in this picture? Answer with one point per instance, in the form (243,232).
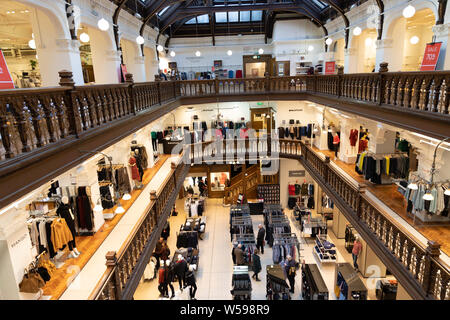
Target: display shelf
(323,251)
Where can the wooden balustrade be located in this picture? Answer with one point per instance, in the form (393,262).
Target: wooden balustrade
(121,266)
(33,118)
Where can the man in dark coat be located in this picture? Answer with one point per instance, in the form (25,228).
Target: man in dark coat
(180,270)
(260,238)
(256,266)
(190,281)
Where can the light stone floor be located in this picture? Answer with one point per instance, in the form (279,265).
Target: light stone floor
(215,263)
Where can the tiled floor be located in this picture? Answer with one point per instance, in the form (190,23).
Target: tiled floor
(216,267)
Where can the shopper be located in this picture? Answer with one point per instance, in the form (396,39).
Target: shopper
(260,238)
(233,255)
(165,251)
(201,187)
(290,272)
(357,247)
(190,281)
(168,279)
(162,286)
(180,269)
(165,233)
(157,252)
(239,255)
(256,265)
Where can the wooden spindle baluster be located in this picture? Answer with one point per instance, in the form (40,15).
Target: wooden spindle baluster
(109,104)
(424,94)
(5,129)
(92,107)
(20,115)
(50,115)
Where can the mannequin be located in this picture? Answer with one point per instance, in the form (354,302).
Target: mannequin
(134,171)
(336,142)
(138,158)
(65,212)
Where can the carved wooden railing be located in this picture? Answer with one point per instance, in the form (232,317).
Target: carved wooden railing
(35,118)
(126,266)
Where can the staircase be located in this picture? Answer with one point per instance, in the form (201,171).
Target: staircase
(245,183)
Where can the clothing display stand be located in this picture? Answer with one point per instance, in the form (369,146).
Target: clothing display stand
(241,283)
(312,226)
(348,285)
(313,285)
(187,239)
(324,250)
(285,244)
(195,224)
(276,287)
(270,193)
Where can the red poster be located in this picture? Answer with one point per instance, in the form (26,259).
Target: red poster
(430,56)
(6,81)
(329,67)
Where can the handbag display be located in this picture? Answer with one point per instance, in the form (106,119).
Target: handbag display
(31,282)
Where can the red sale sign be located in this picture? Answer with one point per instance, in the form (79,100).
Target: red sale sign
(431,56)
(330,67)
(6,81)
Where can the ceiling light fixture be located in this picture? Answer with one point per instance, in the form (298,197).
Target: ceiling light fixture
(160,48)
(198,53)
(357,31)
(414,40)
(84,37)
(103,24)
(310,48)
(328,41)
(409,11)
(172,53)
(261,51)
(140,40)
(229,52)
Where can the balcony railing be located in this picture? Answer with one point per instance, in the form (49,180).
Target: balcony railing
(428,276)
(35,118)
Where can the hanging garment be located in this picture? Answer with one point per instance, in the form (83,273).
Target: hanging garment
(64,211)
(61,234)
(353,137)
(122,180)
(84,210)
(134,169)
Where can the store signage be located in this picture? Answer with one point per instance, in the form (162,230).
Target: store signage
(430,56)
(295,110)
(330,67)
(6,81)
(297,173)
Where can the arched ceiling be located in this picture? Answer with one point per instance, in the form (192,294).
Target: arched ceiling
(196,18)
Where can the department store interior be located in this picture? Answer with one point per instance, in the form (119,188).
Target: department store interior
(224,150)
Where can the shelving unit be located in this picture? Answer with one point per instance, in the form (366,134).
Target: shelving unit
(299,69)
(324,254)
(241,283)
(313,285)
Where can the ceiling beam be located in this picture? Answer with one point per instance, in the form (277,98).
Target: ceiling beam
(212,27)
(115,23)
(381,17)
(152,10)
(336,7)
(441,11)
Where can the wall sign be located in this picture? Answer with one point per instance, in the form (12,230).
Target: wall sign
(330,67)
(6,81)
(297,173)
(430,56)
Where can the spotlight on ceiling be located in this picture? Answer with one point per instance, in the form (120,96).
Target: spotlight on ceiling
(357,31)
(103,24)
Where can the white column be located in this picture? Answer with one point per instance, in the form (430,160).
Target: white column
(55,50)
(441,32)
(105,57)
(350,60)
(384,53)
(151,64)
(134,60)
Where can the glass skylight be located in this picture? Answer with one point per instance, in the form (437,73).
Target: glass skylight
(233,16)
(163,10)
(256,15)
(221,17)
(203,19)
(245,16)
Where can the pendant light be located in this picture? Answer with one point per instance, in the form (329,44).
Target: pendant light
(84,37)
(198,53)
(140,40)
(229,52)
(119,209)
(172,53)
(103,24)
(32,44)
(328,41)
(261,51)
(409,11)
(160,48)
(414,40)
(126,196)
(310,48)
(357,31)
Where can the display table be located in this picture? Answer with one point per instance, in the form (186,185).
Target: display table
(256,206)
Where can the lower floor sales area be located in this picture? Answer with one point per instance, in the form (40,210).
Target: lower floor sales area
(273,221)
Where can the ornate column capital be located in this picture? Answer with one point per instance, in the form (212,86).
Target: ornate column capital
(441,30)
(112,55)
(68,45)
(384,43)
(139,59)
(350,51)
